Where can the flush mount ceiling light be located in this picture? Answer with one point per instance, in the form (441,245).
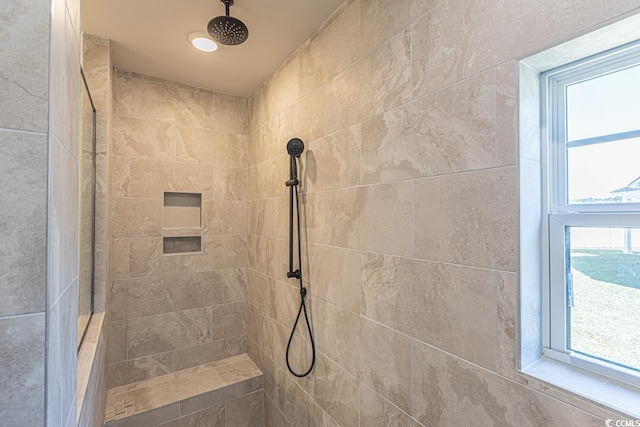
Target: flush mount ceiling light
(201,42)
(227,29)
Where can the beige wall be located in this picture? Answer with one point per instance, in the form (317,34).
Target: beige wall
(24,107)
(408,112)
(171,312)
(39,89)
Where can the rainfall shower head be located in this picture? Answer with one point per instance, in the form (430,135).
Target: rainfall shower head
(227,29)
(295,147)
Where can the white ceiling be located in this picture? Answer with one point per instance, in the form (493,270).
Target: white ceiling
(151,37)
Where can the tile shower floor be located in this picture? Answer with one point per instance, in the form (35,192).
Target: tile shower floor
(172,396)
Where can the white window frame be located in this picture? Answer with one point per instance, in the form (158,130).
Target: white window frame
(558,214)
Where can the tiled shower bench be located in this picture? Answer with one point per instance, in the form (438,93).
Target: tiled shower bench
(226,393)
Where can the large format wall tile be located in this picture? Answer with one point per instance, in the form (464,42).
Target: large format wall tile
(23,173)
(143,138)
(136,217)
(197,290)
(333,161)
(336,391)
(166,332)
(150,178)
(376,411)
(200,145)
(449,391)
(450,131)
(328,54)
(63,225)
(385,363)
(451,307)
(139,369)
(351,99)
(334,275)
(22,370)
(62,355)
(141,297)
(459,38)
(468,219)
(409,209)
(24,23)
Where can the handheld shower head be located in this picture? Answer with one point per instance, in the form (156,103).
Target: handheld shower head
(295,147)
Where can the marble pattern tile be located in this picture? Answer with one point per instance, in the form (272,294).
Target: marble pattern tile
(305,119)
(338,153)
(363,218)
(63,224)
(246,411)
(273,416)
(385,363)
(23,159)
(151,178)
(266,217)
(208,288)
(143,368)
(229,183)
(447,390)
(376,411)
(122,93)
(507,362)
(296,405)
(261,292)
(229,320)
(327,54)
(334,275)
(134,217)
(468,219)
(117,350)
(350,99)
(120,176)
(23,22)
(209,352)
(448,47)
(506,114)
(119,258)
(336,391)
(61,364)
(166,332)
(225,217)
(212,417)
(141,297)
(338,335)
(159,100)
(452,130)
(150,139)
(22,370)
(200,145)
(454,308)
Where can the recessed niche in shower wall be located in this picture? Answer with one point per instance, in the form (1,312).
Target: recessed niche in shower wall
(181,245)
(181,223)
(182,210)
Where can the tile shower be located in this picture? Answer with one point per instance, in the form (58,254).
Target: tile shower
(410,224)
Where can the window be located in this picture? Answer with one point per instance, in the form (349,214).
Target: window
(591,214)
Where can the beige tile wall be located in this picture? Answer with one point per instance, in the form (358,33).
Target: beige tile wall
(171,312)
(39,153)
(407,110)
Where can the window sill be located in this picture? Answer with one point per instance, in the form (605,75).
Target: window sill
(601,390)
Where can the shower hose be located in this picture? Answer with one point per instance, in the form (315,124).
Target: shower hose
(293,192)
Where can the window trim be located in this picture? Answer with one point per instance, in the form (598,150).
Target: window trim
(557,213)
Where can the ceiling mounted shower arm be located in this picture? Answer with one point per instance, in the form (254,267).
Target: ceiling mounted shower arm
(227,5)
